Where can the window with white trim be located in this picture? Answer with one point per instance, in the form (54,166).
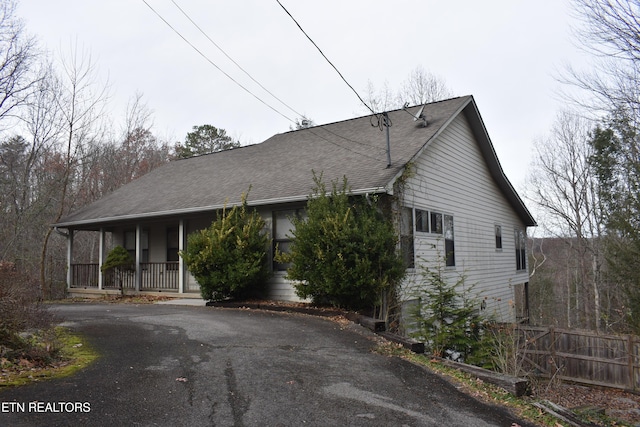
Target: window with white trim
(428,221)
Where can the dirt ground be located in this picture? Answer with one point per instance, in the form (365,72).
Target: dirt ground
(613,403)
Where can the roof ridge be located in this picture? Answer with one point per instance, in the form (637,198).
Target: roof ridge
(371,115)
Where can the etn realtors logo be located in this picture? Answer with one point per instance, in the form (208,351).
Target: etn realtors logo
(52,407)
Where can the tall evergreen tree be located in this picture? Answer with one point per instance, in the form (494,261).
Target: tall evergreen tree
(616,165)
(205,139)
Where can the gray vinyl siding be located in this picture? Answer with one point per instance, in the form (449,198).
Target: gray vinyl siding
(281,289)
(278,288)
(452,178)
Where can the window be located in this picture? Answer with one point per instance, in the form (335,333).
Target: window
(498,232)
(436,223)
(521,253)
(172,244)
(282,228)
(406,237)
(428,222)
(130,244)
(449,247)
(422,221)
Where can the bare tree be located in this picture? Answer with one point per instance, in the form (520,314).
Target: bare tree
(420,87)
(563,187)
(146,150)
(137,151)
(80,100)
(610,33)
(18,58)
(380,100)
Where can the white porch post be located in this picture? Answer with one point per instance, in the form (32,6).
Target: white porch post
(138,255)
(101,259)
(70,259)
(180,260)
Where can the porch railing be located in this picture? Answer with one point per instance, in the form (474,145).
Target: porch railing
(155,276)
(159,276)
(84,275)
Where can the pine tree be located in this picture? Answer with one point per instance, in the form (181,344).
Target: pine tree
(447,316)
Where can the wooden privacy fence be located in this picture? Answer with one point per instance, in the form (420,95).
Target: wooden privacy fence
(581,356)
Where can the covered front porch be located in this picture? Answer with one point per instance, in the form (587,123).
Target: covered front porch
(157,268)
(155,243)
(154,277)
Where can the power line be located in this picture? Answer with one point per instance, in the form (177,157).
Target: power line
(327,59)
(254,95)
(214,64)
(232,60)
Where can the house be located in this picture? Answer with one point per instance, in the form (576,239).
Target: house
(454,200)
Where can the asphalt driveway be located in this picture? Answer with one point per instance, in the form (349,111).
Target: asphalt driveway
(164,365)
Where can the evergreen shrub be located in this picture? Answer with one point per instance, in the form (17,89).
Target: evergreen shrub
(229,258)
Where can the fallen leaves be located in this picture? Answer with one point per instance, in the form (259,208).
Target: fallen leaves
(617,403)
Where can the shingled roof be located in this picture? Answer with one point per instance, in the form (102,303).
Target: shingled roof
(280,168)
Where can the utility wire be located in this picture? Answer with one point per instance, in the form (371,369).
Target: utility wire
(254,95)
(213,63)
(232,60)
(327,59)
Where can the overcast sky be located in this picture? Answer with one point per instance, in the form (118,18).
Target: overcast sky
(505,53)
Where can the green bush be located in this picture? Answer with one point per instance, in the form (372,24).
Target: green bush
(344,252)
(229,259)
